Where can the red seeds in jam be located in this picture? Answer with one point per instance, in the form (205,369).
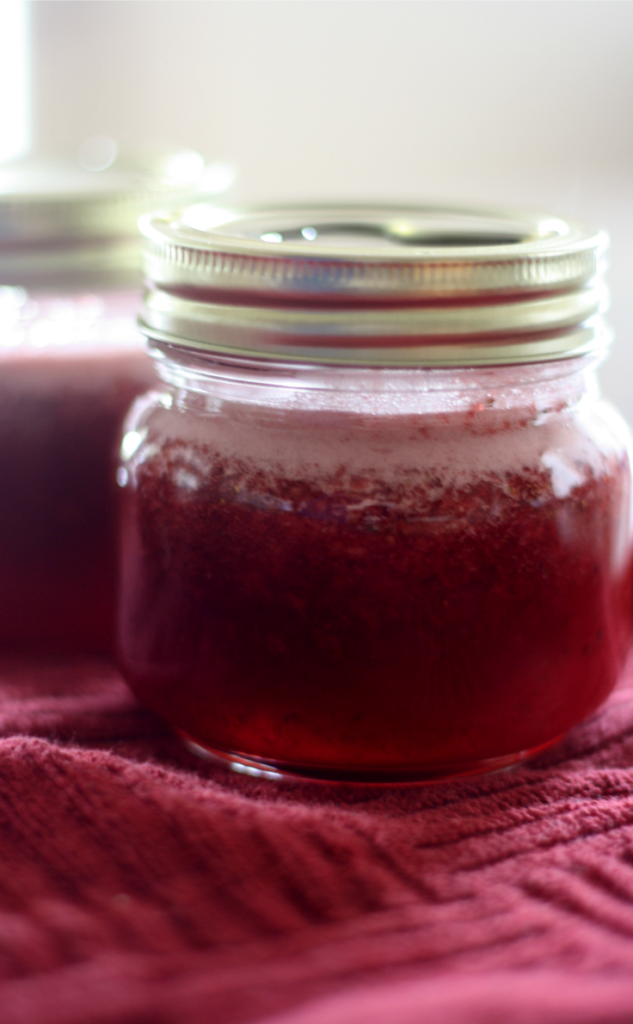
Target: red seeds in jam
(345,626)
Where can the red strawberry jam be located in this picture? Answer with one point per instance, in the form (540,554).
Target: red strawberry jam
(69,368)
(363,589)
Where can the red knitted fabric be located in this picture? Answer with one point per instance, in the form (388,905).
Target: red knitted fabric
(141,886)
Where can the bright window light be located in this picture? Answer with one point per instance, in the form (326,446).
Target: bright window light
(15,134)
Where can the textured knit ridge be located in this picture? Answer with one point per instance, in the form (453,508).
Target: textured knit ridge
(140,885)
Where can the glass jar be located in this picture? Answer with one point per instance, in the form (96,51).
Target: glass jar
(71,361)
(377,519)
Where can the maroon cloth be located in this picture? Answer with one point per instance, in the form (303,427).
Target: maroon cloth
(140,885)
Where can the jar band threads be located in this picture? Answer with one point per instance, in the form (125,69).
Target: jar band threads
(371,286)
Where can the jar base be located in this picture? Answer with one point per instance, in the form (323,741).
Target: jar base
(425,775)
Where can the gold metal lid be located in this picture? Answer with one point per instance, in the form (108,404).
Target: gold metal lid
(374,285)
(63,219)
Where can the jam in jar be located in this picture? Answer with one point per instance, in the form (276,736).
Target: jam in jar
(376,522)
(71,361)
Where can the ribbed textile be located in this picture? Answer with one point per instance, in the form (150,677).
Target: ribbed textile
(139,885)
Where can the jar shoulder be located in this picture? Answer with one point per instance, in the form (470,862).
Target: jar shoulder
(562,446)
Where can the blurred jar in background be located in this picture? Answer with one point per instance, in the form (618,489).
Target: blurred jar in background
(71,361)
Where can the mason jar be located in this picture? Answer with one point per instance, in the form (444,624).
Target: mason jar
(376,519)
(71,361)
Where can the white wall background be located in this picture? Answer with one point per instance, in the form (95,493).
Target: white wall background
(519,103)
(15,128)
